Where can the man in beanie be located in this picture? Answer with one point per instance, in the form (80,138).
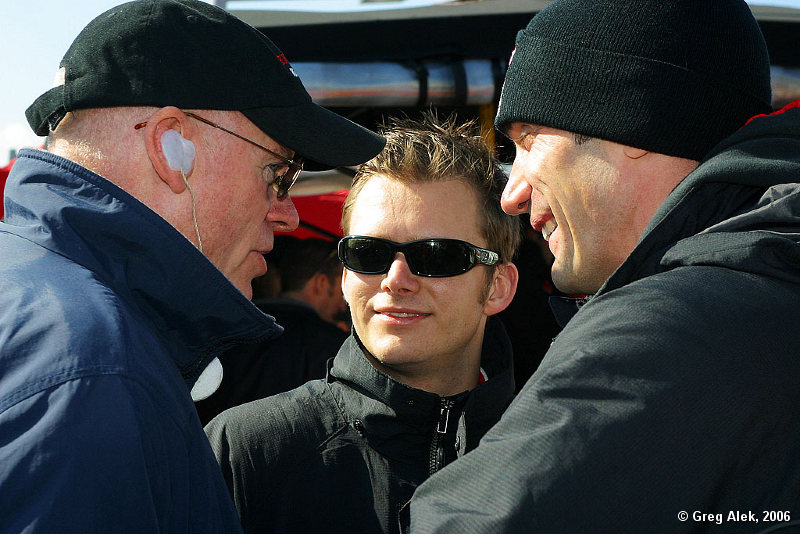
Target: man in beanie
(669,402)
(128,248)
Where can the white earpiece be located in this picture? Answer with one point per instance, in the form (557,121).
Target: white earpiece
(178,151)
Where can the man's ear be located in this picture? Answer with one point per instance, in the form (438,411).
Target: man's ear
(319,284)
(344,293)
(173,154)
(502,289)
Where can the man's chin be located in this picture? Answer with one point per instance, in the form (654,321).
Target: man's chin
(395,359)
(245,288)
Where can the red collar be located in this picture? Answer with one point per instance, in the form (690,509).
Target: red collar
(787,107)
(482,377)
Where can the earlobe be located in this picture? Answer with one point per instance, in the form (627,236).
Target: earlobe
(503,289)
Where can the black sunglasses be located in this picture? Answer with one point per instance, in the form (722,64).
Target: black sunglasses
(426,257)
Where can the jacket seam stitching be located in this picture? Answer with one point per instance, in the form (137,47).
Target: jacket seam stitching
(52,381)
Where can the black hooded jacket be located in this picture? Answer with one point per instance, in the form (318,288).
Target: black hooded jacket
(670,401)
(344,454)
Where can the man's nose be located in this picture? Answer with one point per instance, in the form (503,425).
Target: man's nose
(399,279)
(516,198)
(283,215)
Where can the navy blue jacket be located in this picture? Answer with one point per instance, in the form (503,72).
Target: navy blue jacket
(107,317)
(673,392)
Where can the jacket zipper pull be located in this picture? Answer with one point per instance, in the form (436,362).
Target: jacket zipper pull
(437,456)
(444,416)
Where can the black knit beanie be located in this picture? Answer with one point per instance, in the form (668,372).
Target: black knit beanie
(669,76)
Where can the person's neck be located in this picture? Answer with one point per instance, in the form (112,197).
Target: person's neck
(445,381)
(300,296)
(296,295)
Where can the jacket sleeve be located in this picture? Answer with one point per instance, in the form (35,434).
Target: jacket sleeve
(645,407)
(83,456)
(226,453)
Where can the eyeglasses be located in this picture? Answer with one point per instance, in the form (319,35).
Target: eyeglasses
(281,183)
(434,257)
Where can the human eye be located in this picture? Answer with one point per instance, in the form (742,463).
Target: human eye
(524,141)
(279,169)
(524,136)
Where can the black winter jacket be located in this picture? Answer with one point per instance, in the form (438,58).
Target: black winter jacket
(670,401)
(345,453)
(257,370)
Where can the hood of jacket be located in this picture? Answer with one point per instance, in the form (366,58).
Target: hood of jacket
(750,181)
(399,419)
(71,211)
(739,209)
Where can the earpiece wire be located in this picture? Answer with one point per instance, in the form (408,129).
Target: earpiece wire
(194,211)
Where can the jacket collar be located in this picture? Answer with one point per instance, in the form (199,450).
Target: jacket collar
(78,214)
(753,186)
(391,410)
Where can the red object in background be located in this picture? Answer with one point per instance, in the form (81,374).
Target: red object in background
(320,215)
(3,175)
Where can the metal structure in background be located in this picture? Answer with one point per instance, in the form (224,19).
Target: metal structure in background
(386,84)
(785,84)
(376,61)
(390,84)
(452,53)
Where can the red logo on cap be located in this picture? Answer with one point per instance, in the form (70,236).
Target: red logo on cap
(285,63)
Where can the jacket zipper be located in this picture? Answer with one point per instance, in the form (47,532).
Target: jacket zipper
(436,458)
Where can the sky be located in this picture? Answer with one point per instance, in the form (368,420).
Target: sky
(35,36)
(36,33)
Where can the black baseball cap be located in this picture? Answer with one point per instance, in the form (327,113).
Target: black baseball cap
(193,55)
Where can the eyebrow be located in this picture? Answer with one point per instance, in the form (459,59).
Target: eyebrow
(267,157)
(283,150)
(286,154)
(526,130)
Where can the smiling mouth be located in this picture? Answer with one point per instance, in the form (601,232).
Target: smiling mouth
(400,314)
(548,228)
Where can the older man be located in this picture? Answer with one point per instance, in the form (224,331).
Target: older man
(670,397)
(128,249)
(427,370)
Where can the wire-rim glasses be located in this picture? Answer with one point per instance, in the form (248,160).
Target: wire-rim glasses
(281,183)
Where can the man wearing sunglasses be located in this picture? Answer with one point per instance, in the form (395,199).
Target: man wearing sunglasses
(174,134)
(426,371)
